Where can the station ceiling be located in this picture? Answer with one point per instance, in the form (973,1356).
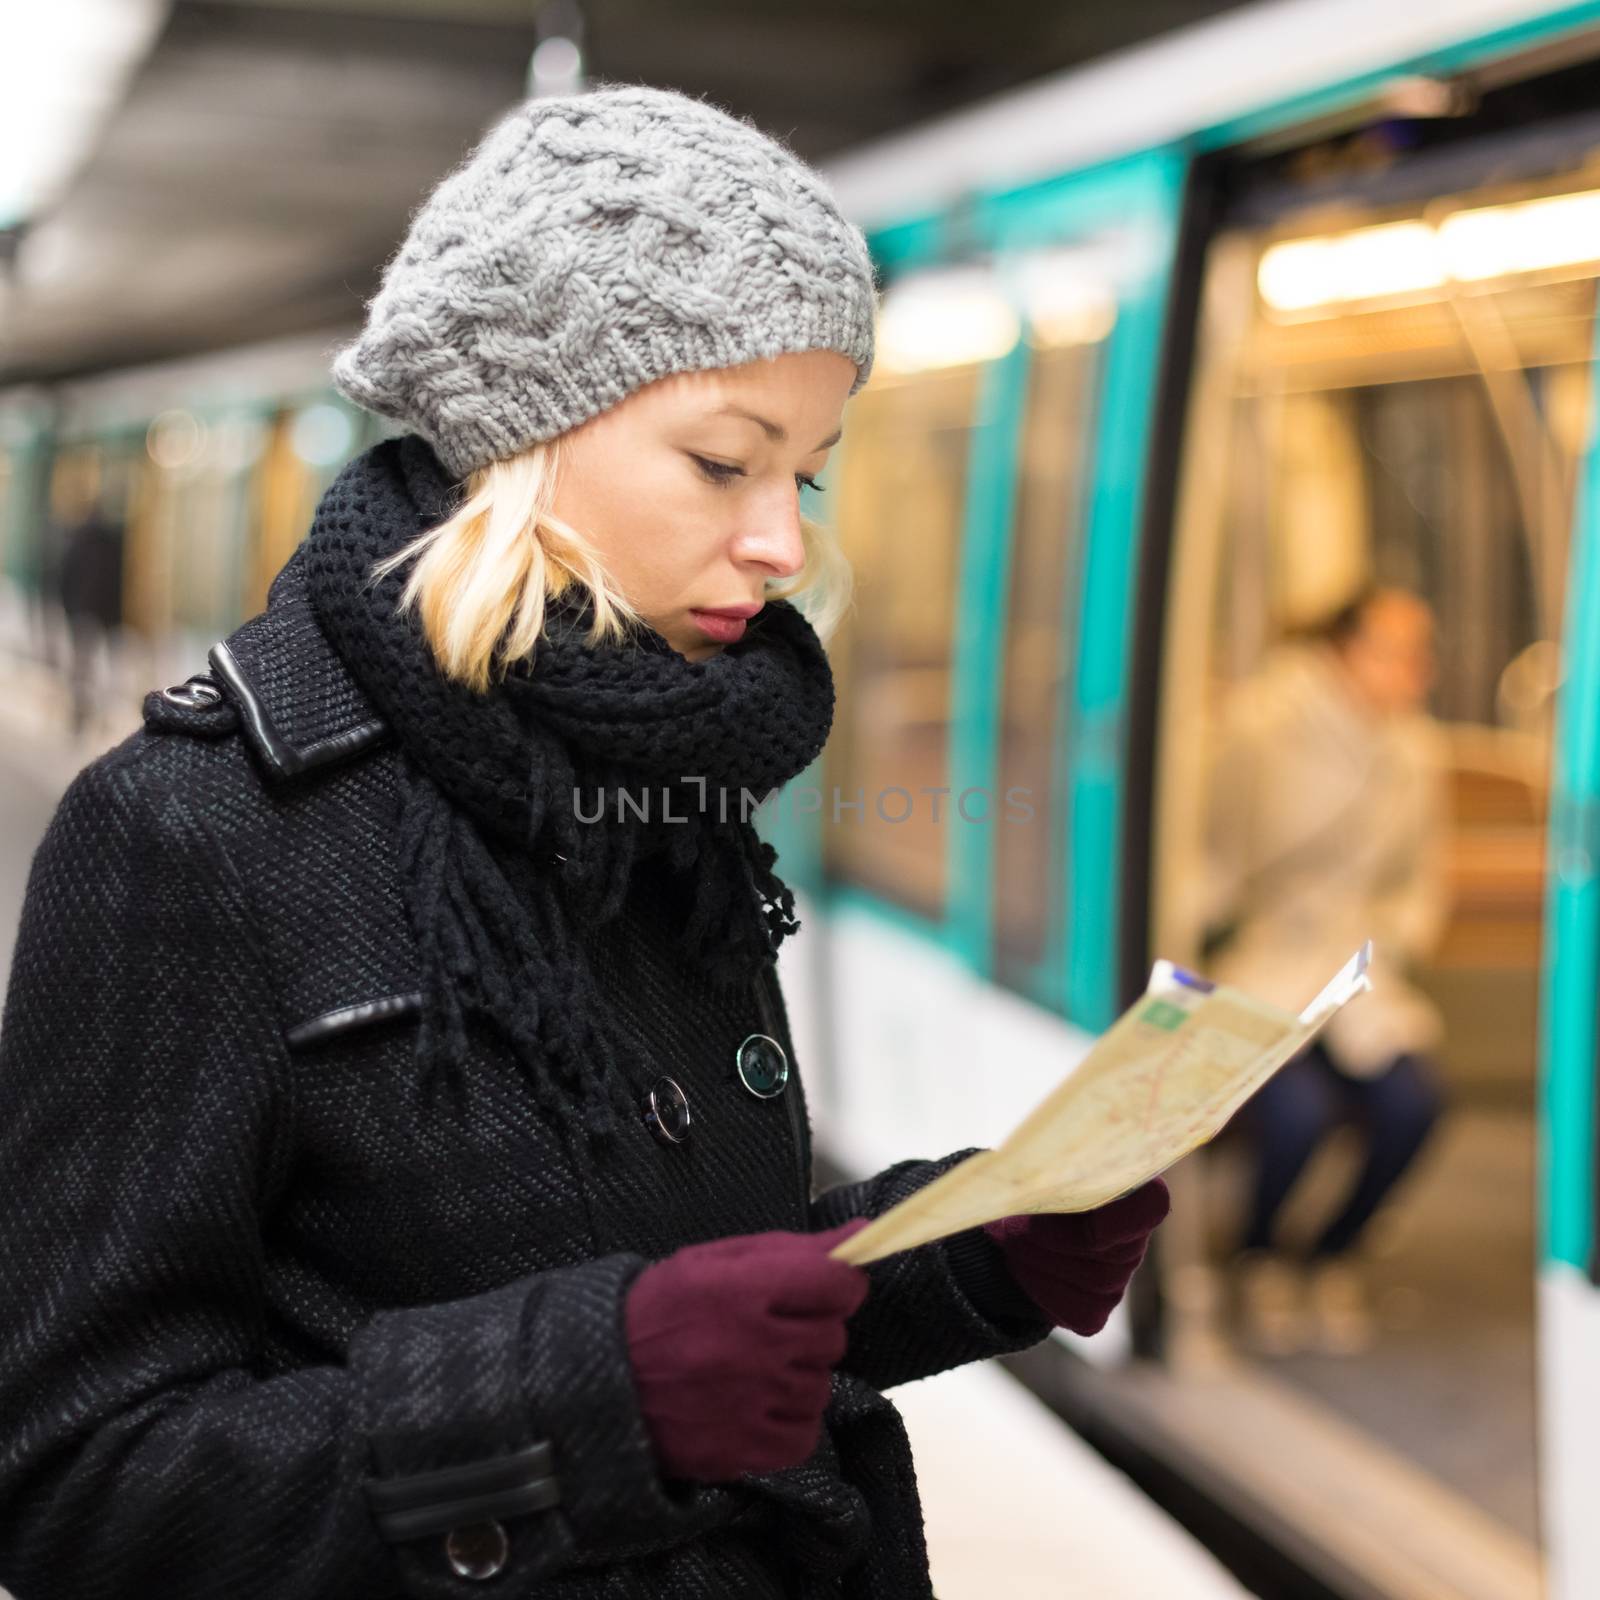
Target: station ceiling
(268,153)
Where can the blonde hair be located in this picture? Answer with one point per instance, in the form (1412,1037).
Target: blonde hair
(482,577)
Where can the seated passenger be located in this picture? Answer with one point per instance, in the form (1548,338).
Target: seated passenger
(1325,826)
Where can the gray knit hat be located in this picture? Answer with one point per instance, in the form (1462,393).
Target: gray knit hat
(590,245)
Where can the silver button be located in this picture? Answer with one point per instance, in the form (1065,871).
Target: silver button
(666,1111)
(478,1552)
(763,1067)
(195,695)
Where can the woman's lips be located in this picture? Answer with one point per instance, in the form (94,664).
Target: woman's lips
(721,626)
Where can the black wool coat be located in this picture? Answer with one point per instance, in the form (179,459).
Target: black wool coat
(280,1310)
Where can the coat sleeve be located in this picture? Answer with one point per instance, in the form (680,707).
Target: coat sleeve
(147,1449)
(938,1306)
(1411,911)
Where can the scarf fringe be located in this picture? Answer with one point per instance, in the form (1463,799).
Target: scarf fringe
(481,957)
(486,784)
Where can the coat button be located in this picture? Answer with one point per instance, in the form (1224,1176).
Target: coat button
(480,1551)
(763,1067)
(666,1111)
(197,694)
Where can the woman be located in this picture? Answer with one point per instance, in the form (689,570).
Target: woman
(407,1178)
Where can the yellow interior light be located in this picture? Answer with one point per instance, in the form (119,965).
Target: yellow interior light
(1364,264)
(1298,274)
(1067,293)
(1398,258)
(1082,319)
(944,319)
(1531,236)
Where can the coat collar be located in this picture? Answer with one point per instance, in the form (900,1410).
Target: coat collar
(299,706)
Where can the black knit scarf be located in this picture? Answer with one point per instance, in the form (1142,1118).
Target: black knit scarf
(500,865)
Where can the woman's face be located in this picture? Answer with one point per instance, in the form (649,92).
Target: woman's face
(689,489)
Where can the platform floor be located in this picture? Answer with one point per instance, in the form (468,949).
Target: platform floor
(1018,1507)
(1451,1382)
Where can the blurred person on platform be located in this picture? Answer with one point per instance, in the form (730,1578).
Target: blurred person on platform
(407,1173)
(1325,826)
(89,584)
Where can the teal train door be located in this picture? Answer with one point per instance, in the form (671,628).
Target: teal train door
(1569,1278)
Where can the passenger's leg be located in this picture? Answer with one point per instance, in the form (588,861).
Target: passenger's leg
(1398,1109)
(1289,1117)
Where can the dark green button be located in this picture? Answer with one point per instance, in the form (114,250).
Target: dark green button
(763,1067)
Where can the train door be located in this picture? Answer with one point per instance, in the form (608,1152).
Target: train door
(1394,389)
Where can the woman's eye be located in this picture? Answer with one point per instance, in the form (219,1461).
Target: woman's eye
(721,474)
(716,471)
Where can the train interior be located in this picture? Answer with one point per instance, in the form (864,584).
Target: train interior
(1418,421)
(1424,433)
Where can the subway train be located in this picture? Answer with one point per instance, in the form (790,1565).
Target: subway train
(1179,351)
(1176,351)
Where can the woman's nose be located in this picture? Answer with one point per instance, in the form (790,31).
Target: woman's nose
(775,538)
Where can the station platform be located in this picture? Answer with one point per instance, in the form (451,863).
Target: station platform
(1016,1505)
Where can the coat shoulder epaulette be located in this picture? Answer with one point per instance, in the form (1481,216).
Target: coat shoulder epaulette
(278,681)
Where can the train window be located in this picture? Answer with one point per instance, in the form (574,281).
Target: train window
(1404,404)
(902,489)
(185,528)
(301,456)
(21,471)
(210,526)
(1047,543)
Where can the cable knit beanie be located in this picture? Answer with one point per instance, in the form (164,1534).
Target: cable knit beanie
(590,245)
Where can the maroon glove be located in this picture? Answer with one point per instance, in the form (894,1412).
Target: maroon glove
(1075,1266)
(733,1344)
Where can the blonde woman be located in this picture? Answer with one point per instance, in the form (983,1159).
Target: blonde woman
(407,1176)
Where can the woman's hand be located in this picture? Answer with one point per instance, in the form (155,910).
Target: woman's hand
(1076,1267)
(733,1344)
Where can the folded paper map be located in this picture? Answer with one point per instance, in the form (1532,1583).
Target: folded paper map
(1164,1079)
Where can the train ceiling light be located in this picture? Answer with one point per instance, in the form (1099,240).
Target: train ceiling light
(945,318)
(1532,236)
(1397,259)
(953,316)
(1067,294)
(1364,264)
(176,440)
